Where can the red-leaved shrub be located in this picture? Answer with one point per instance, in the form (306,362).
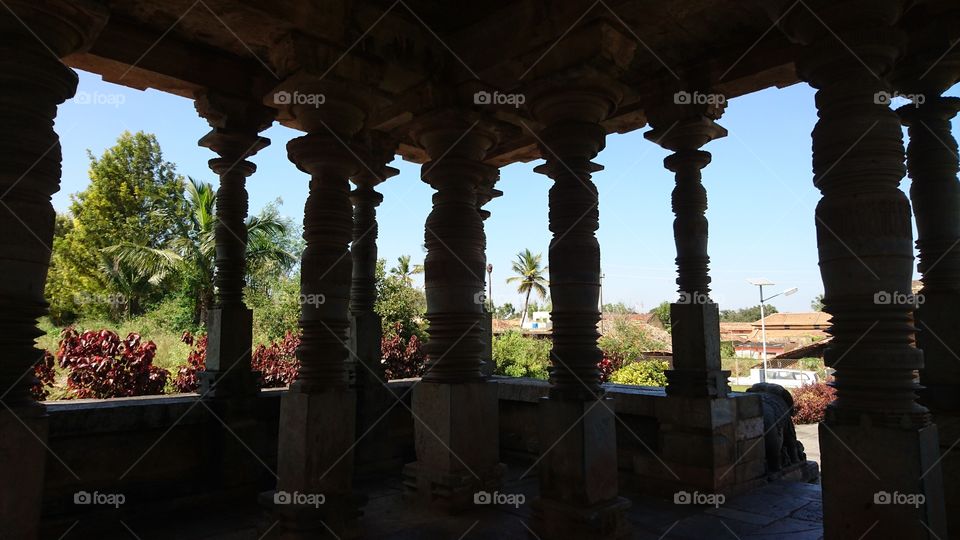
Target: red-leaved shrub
(277,362)
(810,402)
(187,380)
(402,358)
(608,364)
(104,366)
(45,375)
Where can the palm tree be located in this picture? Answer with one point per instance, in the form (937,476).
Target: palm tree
(531,278)
(192,255)
(404,271)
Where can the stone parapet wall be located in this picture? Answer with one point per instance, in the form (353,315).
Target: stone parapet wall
(668,444)
(156,450)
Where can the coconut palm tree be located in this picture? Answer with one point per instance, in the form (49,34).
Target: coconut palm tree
(404,270)
(530,278)
(192,255)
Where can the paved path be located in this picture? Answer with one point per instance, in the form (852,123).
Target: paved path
(809,435)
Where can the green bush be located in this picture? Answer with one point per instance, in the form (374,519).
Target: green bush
(642,373)
(519,356)
(629,341)
(174,313)
(276,308)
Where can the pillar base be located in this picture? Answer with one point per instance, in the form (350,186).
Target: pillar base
(457,441)
(698,383)
(229,342)
(855,500)
(334,519)
(315,460)
(554,520)
(578,472)
(696,351)
(23,457)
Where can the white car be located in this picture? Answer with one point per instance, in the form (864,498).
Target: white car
(787,378)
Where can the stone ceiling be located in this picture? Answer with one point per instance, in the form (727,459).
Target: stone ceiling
(418,56)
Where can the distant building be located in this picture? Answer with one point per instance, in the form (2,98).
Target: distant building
(539,321)
(754,349)
(797,329)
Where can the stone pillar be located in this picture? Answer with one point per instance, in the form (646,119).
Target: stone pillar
(318,412)
(236,123)
(455,407)
(33,82)
(876,440)
(578,467)
(374,452)
(486,193)
(684,128)
(931,67)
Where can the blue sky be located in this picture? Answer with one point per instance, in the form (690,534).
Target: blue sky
(759,188)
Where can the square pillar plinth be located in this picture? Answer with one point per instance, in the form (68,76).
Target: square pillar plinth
(578,472)
(374,455)
(23,457)
(457,440)
(315,465)
(880,479)
(695,336)
(229,342)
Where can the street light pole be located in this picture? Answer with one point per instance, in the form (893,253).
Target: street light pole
(763,336)
(763,323)
(601,303)
(490,286)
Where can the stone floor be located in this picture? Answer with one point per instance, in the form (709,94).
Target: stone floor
(780,510)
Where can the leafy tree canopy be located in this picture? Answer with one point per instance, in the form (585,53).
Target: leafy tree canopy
(134,196)
(748,314)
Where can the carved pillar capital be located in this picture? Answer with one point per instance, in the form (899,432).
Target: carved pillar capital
(863,219)
(236,124)
(683,125)
(486,193)
(33,82)
(572,136)
(329,153)
(60,27)
(930,67)
(454,266)
(365,200)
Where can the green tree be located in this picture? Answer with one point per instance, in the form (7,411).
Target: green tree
(404,270)
(628,341)
(662,312)
(530,278)
(191,256)
(748,314)
(505,311)
(399,302)
(817,303)
(618,308)
(134,197)
(518,356)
